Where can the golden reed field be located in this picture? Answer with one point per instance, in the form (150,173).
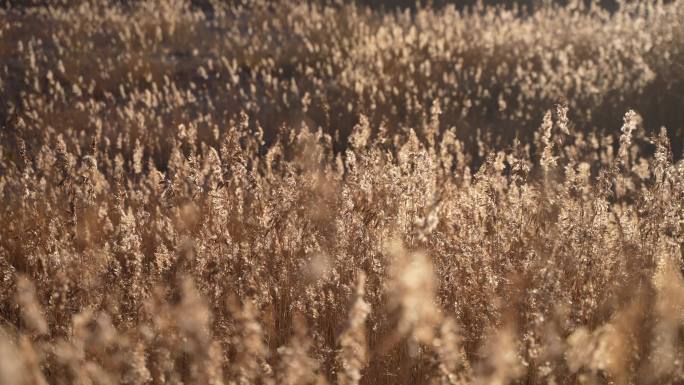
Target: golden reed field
(258,192)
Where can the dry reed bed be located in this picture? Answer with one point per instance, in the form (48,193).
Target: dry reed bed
(288,194)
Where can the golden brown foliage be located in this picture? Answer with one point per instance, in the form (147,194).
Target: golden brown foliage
(291,193)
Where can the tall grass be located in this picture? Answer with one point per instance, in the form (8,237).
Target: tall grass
(283,193)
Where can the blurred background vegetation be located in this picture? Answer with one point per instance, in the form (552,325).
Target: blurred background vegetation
(495,72)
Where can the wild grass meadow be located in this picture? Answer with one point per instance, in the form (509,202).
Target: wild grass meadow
(257,192)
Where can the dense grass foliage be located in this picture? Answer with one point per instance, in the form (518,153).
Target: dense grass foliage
(285,193)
